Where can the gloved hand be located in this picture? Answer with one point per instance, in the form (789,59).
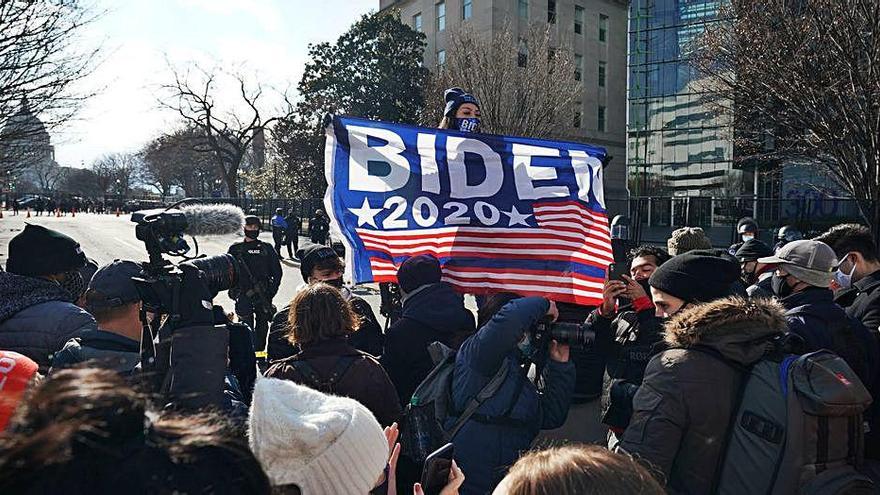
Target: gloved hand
(195,306)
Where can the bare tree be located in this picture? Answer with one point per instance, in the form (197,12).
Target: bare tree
(228,135)
(803,82)
(526,86)
(48,174)
(116,172)
(42,57)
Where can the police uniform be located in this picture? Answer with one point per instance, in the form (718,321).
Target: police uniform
(318,228)
(265,270)
(294,224)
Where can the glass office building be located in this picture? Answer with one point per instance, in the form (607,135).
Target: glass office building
(678,144)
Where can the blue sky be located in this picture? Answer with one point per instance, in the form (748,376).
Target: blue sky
(266,39)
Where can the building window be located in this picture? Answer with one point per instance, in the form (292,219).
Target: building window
(551,11)
(523,9)
(522,54)
(578,19)
(441,16)
(417,22)
(578,66)
(602,74)
(467,9)
(577,114)
(600,124)
(441,58)
(603,28)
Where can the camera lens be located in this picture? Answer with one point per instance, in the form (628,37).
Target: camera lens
(572,334)
(221,272)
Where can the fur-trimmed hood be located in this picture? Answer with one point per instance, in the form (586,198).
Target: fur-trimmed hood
(733,326)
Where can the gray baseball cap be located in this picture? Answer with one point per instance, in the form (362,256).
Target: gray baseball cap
(113,282)
(810,261)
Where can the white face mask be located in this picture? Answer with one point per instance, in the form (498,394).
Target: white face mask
(747,237)
(844,280)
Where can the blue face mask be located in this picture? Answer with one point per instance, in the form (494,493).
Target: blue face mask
(468,124)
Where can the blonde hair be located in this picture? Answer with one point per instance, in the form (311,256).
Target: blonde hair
(581,470)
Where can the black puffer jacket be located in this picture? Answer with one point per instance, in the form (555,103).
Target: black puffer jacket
(37,318)
(435,314)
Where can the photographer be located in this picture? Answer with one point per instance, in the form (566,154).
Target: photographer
(626,334)
(37,291)
(261,277)
(507,423)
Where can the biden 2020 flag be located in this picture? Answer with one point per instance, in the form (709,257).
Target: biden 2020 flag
(500,213)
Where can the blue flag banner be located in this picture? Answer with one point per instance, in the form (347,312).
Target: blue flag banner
(500,213)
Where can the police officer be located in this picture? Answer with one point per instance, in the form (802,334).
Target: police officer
(318,228)
(279,231)
(747,228)
(294,224)
(260,276)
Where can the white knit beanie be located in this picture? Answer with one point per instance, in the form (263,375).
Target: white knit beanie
(321,443)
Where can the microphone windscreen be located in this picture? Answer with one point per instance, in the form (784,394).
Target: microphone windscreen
(219,219)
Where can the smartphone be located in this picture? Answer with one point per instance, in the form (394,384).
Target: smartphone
(616,271)
(435,474)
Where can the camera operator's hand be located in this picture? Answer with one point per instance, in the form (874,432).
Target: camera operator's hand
(559,352)
(633,289)
(612,290)
(195,298)
(552,311)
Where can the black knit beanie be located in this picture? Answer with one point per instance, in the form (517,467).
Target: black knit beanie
(310,255)
(40,251)
(456,97)
(696,276)
(418,271)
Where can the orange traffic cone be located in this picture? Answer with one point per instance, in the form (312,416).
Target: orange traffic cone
(117,212)
(1,212)
(72,212)
(29,213)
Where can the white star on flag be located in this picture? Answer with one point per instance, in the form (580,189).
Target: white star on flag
(366,214)
(516,218)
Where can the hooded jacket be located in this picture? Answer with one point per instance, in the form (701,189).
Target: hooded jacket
(434,314)
(37,318)
(485,448)
(682,410)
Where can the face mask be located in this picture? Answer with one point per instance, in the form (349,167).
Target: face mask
(336,282)
(645,285)
(780,286)
(74,284)
(467,124)
(252,234)
(747,237)
(749,277)
(844,280)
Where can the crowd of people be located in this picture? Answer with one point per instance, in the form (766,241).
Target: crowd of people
(741,370)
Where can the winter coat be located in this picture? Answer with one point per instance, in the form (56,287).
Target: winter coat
(763,287)
(862,301)
(506,424)
(364,380)
(37,318)
(682,410)
(102,349)
(434,314)
(813,315)
(628,340)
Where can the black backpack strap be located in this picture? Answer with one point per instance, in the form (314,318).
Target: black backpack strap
(488,390)
(328,384)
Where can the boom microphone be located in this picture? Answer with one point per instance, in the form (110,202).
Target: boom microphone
(208,219)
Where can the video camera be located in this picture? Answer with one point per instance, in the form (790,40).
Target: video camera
(162,232)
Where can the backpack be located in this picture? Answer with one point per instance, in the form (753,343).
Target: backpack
(422,430)
(848,338)
(325,384)
(797,429)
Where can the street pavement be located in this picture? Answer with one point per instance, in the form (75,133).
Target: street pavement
(108,237)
